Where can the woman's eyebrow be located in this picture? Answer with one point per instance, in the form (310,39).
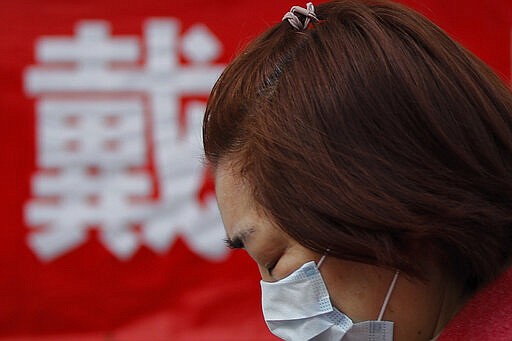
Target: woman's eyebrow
(239,239)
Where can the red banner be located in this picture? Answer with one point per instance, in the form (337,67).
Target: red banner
(110,226)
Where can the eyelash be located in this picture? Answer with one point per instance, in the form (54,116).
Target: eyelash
(236,243)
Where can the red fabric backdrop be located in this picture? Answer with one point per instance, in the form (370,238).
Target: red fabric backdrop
(109,223)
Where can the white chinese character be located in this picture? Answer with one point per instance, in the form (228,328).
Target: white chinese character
(112,154)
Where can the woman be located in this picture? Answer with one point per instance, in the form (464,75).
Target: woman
(363,159)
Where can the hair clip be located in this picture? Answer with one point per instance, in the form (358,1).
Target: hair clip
(293,19)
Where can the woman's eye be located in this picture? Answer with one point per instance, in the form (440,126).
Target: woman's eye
(235,243)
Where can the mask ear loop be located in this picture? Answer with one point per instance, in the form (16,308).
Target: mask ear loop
(388,295)
(322,259)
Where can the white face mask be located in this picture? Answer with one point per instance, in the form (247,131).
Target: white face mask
(298,307)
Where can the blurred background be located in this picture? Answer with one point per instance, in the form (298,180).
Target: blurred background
(110,229)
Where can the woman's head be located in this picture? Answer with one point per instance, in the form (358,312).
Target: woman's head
(373,135)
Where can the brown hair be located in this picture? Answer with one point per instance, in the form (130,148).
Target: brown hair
(372,134)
